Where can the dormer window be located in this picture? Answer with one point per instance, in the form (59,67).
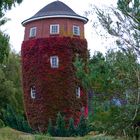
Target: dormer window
(76,30)
(33,92)
(32,32)
(54,29)
(54,61)
(78,92)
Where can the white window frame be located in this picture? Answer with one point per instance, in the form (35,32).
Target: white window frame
(33,92)
(33,32)
(78,94)
(56,63)
(76,30)
(54,26)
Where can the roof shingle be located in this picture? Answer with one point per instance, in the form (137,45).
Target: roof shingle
(55,9)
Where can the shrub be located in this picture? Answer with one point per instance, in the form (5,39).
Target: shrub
(83,126)
(16,121)
(1,123)
(71,128)
(50,129)
(60,126)
(61,130)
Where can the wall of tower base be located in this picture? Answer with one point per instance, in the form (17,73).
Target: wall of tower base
(55,87)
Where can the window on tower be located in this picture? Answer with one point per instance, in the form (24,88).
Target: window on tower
(33,92)
(78,92)
(76,30)
(32,32)
(54,29)
(54,61)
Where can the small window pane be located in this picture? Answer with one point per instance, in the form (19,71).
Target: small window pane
(78,92)
(54,61)
(76,30)
(33,32)
(54,29)
(33,92)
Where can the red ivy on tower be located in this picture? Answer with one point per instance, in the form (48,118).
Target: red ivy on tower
(55,87)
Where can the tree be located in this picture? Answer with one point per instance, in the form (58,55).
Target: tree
(112,78)
(50,129)
(7,5)
(131,9)
(4,46)
(126,29)
(10,87)
(123,67)
(83,127)
(71,128)
(94,74)
(14,120)
(123,24)
(4,39)
(13,73)
(60,125)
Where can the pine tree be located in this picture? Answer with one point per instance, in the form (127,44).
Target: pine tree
(60,126)
(82,128)
(71,128)
(50,129)
(16,121)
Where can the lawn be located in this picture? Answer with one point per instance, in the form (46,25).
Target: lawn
(11,134)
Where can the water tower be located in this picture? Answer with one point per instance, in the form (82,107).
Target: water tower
(53,38)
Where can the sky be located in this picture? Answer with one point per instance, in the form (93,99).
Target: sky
(30,7)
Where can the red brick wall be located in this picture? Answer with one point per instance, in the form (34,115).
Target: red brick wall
(43,27)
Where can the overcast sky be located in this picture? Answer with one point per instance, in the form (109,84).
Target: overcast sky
(29,7)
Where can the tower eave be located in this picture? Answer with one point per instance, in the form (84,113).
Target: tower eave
(84,19)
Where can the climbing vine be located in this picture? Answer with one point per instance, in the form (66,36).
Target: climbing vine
(55,87)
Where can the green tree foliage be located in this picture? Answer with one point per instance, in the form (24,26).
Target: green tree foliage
(4,39)
(121,76)
(1,123)
(130,8)
(71,128)
(82,128)
(123,24)
(4,46)
(60,125)
(96,74)
(113,77)
(7,5)
(6,92)
(61,130)
(50,129)
(123,29)
(10,84)
(12,71)
(15,120)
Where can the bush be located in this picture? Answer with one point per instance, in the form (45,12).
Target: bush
(60,126)
(71,128)
(61,130)
(83,126)
(1,123)
(50,129)
(16,121)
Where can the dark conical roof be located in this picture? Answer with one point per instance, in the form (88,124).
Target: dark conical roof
(54,10)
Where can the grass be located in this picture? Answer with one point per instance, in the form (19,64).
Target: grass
(11,134)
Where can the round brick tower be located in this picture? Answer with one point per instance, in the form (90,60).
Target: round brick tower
(54,36)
